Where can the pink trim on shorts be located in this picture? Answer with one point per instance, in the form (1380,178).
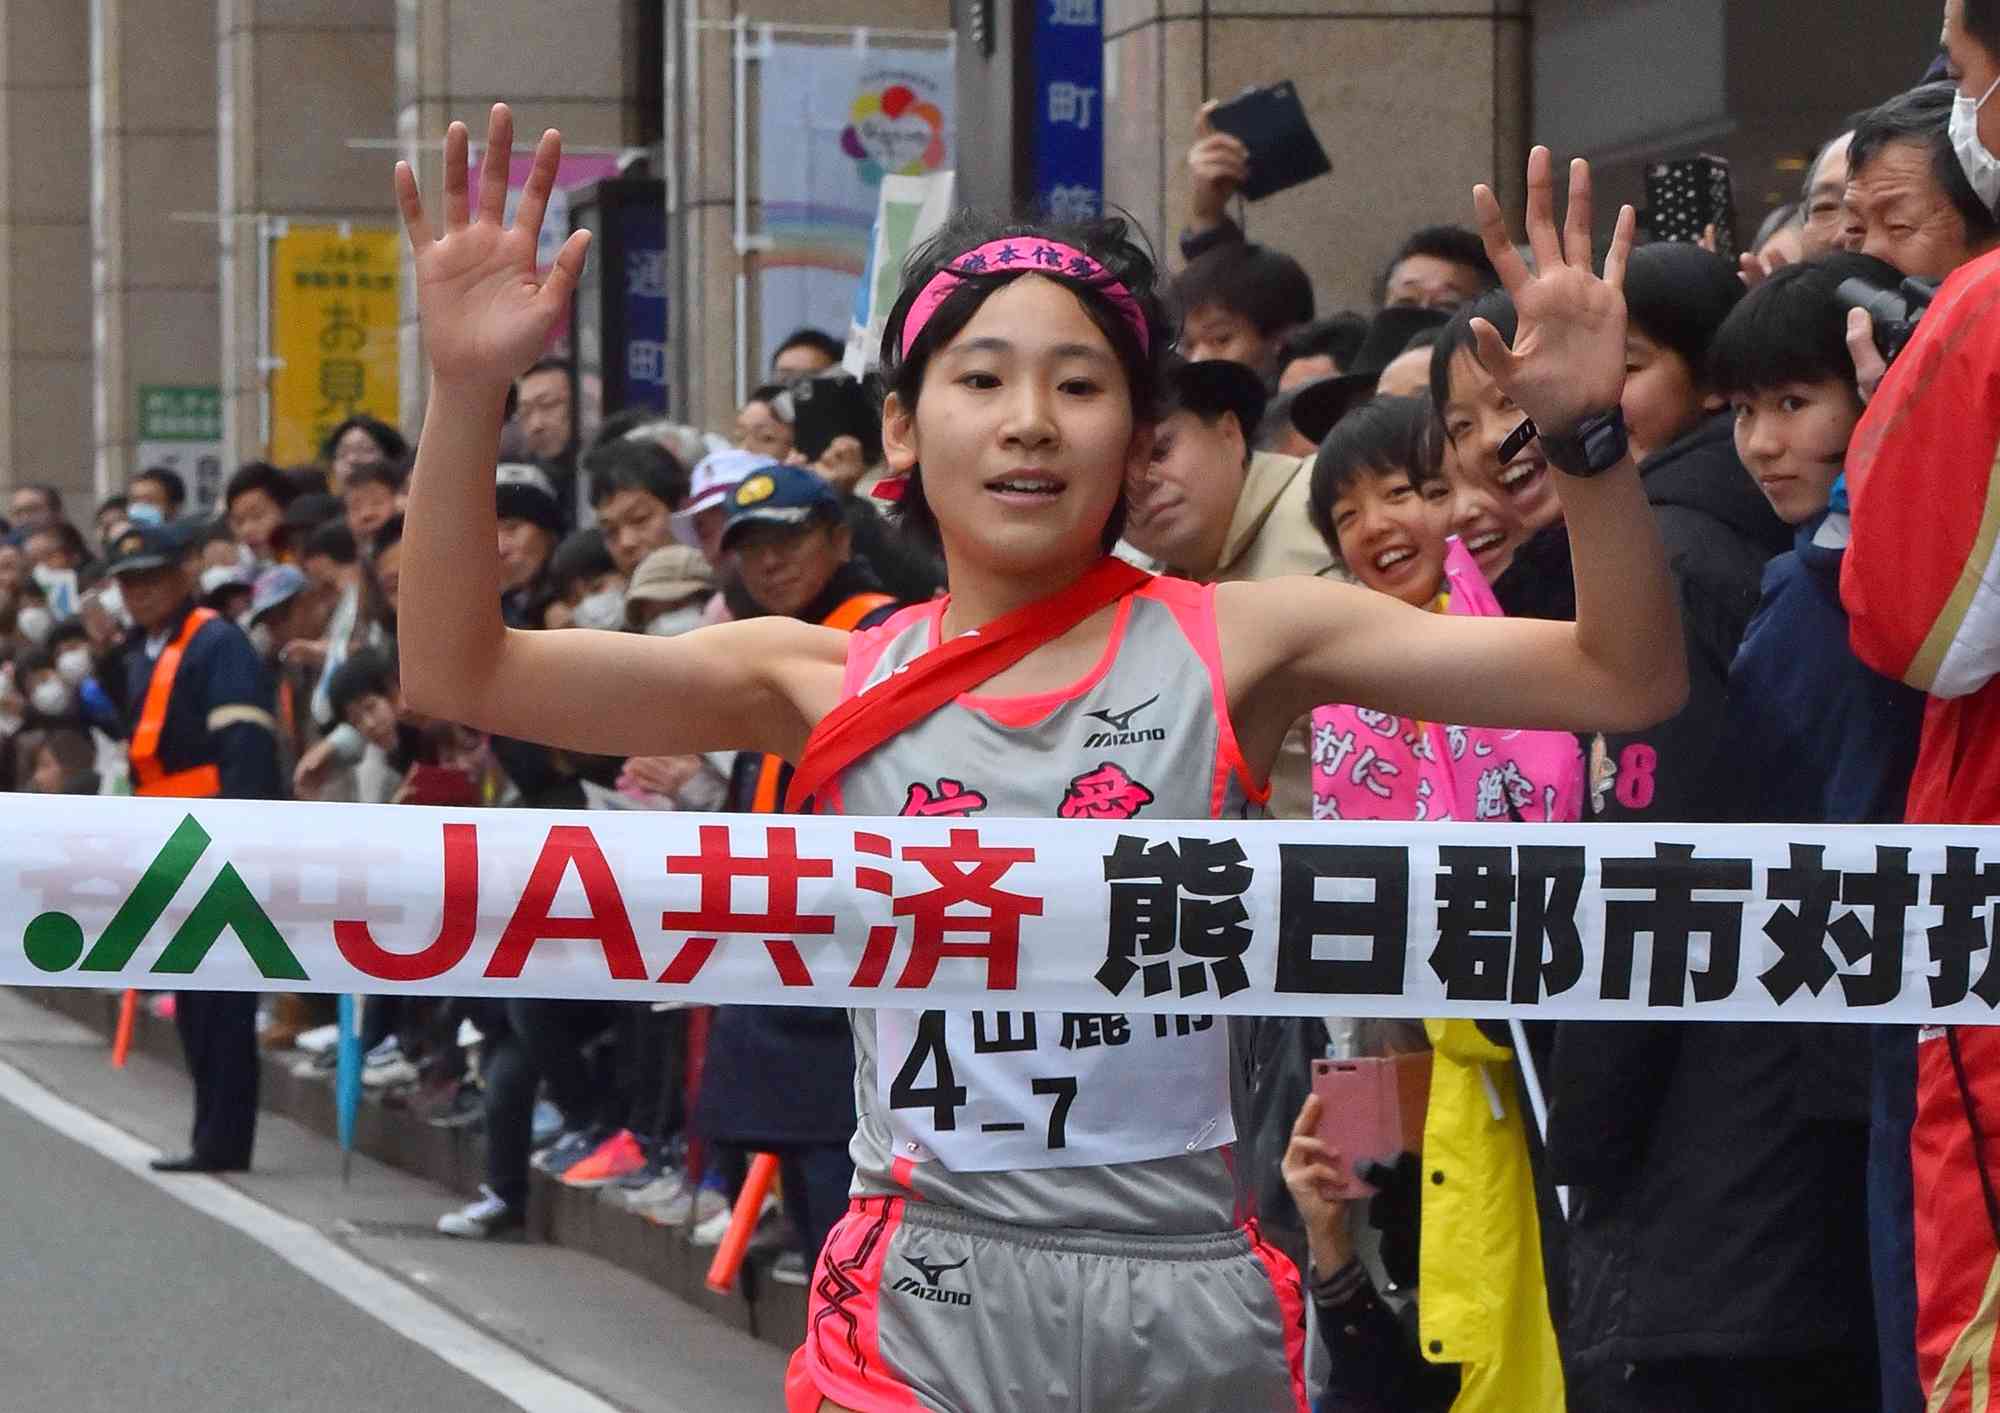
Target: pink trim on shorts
(1284,1278)
(841,1358)
(1193,607)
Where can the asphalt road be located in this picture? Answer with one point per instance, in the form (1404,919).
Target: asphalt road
(115,1295)
(284,1290)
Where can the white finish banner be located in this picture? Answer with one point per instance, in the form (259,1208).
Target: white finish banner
(1089,918)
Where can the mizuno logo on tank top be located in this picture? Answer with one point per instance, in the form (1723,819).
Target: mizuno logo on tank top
(1122,732)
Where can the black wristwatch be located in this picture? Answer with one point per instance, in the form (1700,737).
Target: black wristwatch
(1595,445)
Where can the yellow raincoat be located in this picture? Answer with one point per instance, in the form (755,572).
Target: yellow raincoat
(1483,1301)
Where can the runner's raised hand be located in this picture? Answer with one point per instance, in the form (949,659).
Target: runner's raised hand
(1568,355)
(487,312)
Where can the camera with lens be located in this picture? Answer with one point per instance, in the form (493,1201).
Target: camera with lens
(1894,308)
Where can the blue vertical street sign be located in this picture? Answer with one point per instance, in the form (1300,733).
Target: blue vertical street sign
(1068,167)
(642,237)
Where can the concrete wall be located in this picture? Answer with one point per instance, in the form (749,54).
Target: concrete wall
(157,312)
(297,79)
(1414,101)
(556,65)
(45,304)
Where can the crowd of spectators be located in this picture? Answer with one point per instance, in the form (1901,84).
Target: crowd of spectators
(1739,1228)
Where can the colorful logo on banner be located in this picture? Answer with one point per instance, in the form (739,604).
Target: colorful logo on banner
(894,132)
(335,312)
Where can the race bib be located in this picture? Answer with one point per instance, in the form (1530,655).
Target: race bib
(985,1090)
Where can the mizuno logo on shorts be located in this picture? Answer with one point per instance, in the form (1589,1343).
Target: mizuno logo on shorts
(928,1288)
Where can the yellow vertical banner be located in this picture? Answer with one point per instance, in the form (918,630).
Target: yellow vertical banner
(334,313)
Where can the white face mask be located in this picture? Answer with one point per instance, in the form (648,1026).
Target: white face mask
(114,604)
(59,588)
(35,623)
(1981,167)
(10,725)
(73,665)
(51,697)
(674,622)
(144,512)
(604,610)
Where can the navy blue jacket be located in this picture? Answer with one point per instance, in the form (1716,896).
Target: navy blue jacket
(1811,734)
(222,711)
(1718,1168)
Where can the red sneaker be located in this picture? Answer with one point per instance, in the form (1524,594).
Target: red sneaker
(611,1160)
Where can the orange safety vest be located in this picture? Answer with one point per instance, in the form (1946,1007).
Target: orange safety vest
(766,798)
(148,776)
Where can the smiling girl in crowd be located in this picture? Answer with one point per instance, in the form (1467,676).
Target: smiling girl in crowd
(1022,363)
(1387,509)
(1719,533)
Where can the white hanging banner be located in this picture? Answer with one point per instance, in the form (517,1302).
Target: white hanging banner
(1098,917)
(834,120)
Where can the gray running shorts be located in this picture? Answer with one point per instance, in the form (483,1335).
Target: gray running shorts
(918,1307)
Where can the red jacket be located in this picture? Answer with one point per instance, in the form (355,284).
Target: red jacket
(1922,587)
(1922,577)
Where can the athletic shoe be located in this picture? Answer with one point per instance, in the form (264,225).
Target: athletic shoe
(791,1269)
(386,1048)
(711,1231)
(387,1068)
(320,1040)
(487,1217)
(669,1202)
(465,1108)
(617,1156)
(566,1152)
(547,1126)
(641,1178)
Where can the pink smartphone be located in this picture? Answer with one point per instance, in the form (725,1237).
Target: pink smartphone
(1371,1110)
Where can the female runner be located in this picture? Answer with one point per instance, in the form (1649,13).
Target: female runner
(1000,1264)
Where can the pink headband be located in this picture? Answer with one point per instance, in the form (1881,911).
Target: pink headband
(1021,253)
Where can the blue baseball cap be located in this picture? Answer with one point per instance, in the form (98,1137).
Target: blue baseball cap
(140,548)
(775,494)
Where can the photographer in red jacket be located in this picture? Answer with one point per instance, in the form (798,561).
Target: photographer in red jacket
(1921,584)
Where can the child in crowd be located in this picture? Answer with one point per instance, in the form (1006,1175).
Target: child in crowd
(1022,362)
(1812,734)
(374,492)
(65,764)
(1383,502)
(1238,302)
(1382,498)
(1718,531)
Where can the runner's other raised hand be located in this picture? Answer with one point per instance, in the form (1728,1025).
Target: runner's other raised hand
(487,312)
(1568,355)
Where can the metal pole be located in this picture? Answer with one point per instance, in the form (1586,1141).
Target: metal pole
(670,151)
(741,58)
(267,230)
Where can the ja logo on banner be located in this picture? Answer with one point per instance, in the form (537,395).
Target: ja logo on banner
(54,941)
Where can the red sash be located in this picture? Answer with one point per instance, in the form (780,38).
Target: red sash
(893,705)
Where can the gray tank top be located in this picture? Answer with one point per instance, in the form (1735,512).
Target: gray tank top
(1111,1123)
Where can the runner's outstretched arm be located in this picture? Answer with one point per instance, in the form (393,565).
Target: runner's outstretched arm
(487,315)
(1291,644)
